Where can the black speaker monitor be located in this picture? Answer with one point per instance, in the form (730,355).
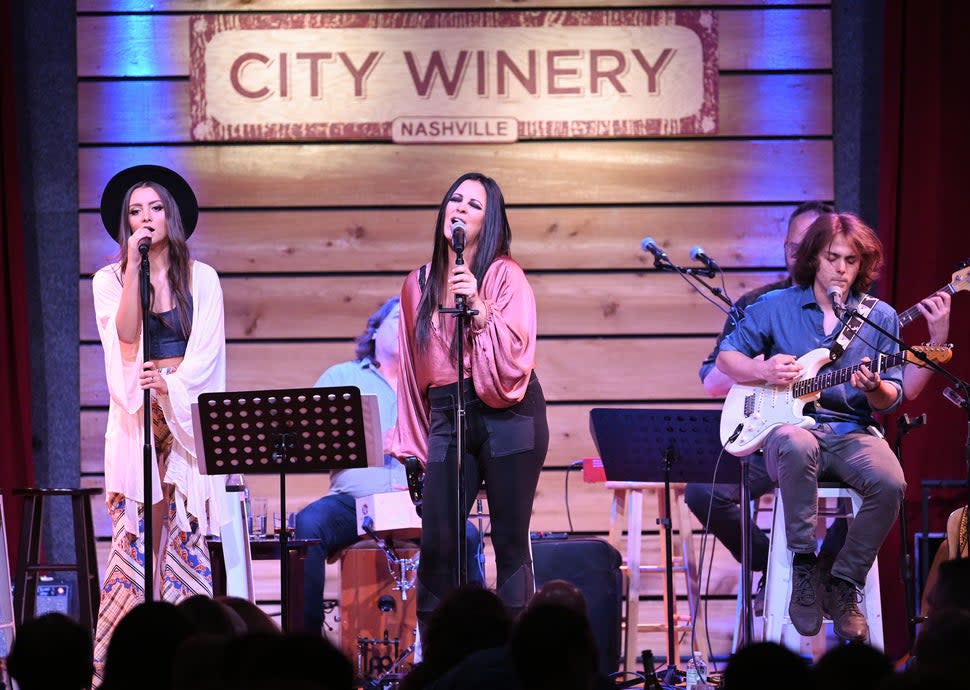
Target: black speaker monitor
(592,565)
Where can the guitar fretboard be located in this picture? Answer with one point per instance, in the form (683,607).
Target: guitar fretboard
(913,312)
(840,376)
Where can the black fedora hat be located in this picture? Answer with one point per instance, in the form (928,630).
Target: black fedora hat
(114,195)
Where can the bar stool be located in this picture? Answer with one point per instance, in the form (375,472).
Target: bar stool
(756,509)
(628,500)
(778,627)
(85,563)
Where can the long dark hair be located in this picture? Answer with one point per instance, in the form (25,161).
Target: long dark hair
(820,235)
(494,240)
(178,252)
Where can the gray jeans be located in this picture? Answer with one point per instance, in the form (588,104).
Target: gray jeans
(796,458)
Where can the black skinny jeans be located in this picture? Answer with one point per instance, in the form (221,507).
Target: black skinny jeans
(505,449)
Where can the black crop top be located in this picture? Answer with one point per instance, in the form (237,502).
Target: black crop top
(165,334)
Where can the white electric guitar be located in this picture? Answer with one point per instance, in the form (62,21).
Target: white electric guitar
(752,411)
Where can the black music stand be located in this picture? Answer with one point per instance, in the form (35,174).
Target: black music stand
(668,446)
(294,431)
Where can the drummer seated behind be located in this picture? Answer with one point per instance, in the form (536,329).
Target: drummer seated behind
(332,519)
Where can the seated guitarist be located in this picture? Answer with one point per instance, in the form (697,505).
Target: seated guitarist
(721,501)
(838,251)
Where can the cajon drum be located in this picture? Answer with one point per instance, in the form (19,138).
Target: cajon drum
(377,625)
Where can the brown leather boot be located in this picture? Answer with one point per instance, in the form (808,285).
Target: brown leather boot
(803,608)
(840,601)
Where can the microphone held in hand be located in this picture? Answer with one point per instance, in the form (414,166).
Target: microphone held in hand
(458,244)
(144,243)
(458,238)
(697,254)
(649,245)
(835,296)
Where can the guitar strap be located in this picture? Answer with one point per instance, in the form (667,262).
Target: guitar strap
(851,328)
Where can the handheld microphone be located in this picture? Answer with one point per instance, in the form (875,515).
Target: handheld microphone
(649,245)
(697,254)
(458,239)
(144,243)
(835,295)
(458,244)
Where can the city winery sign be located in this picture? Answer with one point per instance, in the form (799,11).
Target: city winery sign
(453,76)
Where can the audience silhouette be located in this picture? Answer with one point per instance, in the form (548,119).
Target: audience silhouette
(852,667)
(142,648)
(52,635)
(468,619)
(766,665)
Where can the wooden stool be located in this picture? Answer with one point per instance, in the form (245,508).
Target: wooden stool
(686,563)
(756,510)
(778,626)
(85,563)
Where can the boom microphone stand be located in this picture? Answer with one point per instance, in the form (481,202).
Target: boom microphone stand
(958,399)
(462,314)
(145,287)
(694,276)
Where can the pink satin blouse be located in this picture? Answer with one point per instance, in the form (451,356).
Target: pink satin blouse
(499,357)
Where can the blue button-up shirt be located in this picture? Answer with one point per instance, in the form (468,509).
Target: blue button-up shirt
(363,481)
(790,322)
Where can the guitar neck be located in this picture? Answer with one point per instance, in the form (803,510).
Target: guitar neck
(840,376)
(914,313)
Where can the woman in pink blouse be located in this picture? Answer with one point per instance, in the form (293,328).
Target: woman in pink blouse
(506,433)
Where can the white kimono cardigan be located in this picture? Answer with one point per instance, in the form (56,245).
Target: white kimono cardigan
(203,370)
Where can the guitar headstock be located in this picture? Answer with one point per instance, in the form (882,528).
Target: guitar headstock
(939,354)
(961,277)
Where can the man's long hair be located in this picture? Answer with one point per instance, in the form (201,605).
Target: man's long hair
(820,235)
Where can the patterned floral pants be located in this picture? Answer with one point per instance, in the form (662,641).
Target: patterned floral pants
(183,558)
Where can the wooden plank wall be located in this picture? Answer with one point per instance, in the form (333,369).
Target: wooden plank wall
(309,237)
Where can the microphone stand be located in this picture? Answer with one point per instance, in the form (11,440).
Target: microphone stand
(962,401)
(145,294)
(698,274)
(662,263)
(462,314)
(745,632)
(903,427)
(672,675)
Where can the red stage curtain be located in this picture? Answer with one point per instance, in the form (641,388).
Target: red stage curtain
(923,220)
(16,467)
